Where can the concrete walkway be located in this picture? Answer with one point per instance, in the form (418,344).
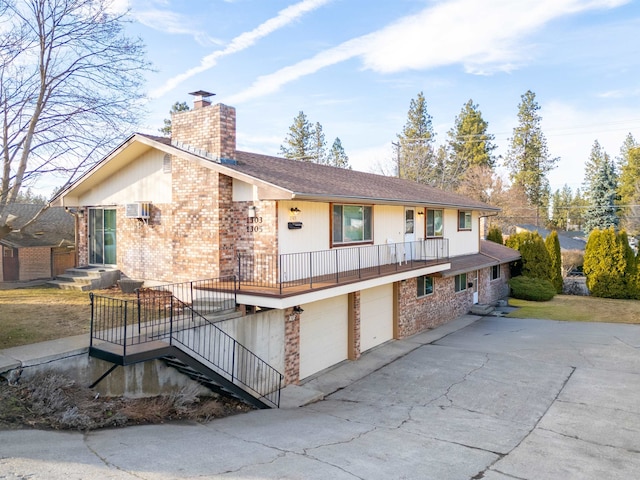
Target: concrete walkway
(481,398)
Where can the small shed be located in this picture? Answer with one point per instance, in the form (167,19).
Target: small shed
(42,250)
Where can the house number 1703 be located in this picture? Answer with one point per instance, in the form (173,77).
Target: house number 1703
(253,227)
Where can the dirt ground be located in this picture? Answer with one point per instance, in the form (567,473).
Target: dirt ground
(54,401)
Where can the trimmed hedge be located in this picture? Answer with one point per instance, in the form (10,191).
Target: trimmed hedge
(535,289)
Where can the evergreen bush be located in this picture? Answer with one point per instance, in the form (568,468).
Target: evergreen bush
(535,289)
(552,243)
(495,235)
(535,261)
(605,264)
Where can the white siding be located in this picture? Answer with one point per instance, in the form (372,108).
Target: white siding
(388,224)
(461,242)
(323,334)
(376,316)
(142,180)
(243,191)
(314,234)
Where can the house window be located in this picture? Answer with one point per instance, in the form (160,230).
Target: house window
(495,272)
(352,224)
(435,223)
(464,220)
(461,282)
(425,286)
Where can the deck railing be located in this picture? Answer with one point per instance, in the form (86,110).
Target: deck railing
(336,265)
(158,315)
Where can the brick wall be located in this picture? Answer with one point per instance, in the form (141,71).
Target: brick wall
(83,239)
(493,290)
(34,262)
(144,249)
(291,347)
(212,128)
(354,326)
(418,314)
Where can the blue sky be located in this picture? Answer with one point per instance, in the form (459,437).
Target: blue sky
(354,66)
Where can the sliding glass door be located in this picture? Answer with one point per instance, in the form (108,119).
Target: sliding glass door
(102,236)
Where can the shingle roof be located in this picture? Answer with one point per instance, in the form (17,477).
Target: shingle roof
(491,253)
(569,240)
(307,179)
(313,181)
(54,227)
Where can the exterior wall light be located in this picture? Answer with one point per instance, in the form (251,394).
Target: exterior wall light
(251,212)
(295,210)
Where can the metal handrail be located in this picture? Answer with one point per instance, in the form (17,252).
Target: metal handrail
(159,315)
(336,265)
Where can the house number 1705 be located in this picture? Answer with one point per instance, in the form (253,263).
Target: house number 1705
(253,227)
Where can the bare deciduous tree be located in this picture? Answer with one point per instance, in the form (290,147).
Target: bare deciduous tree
(70,86)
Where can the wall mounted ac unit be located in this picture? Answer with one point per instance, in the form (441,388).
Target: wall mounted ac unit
(137,210)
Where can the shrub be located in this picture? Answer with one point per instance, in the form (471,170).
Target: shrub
(495,235)
(535,289)
(552,243)
(535,260)
(609,265)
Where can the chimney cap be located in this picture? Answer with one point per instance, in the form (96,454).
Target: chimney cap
(201,94)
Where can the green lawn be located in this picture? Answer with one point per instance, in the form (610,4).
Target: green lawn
(579,309)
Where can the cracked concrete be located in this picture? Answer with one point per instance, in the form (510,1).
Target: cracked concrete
(496,399)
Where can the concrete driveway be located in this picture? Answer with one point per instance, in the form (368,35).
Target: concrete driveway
(497,399)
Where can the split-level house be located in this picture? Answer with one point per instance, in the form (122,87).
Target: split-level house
(326,263)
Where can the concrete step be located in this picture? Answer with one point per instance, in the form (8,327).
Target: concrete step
(64,285)
(482,309)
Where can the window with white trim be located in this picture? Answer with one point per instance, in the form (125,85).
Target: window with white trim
(435,223)
(460,282)
(425,286)
(352,224)
(464,220)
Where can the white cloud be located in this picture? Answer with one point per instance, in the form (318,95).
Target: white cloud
(483,36)
(172,23)
(244,41)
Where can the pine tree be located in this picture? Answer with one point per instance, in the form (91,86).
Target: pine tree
(593,167)
(528,158)
(578,205)
(601,212)
(337,156)
(552,242)
(416,155)
(319,146)
(298,144)
(175,108)
(629,184)
(469,143)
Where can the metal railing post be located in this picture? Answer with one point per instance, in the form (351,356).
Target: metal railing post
(139,322)
(92,317)
(124,343)
(171,320)
(233,361)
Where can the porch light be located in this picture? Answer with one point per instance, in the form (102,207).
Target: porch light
(295,210)
(420,212)
(251,212)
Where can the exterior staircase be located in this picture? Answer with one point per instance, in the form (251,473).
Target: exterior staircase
(86,278)
(162,323)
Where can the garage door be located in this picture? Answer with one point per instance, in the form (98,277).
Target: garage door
(323,334)
(376,316)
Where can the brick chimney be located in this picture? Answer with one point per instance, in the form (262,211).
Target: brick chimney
(208,127)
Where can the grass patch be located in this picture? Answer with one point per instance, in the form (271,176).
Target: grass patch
(579,309)
(37,314)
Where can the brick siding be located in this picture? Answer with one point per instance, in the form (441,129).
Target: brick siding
(291,347)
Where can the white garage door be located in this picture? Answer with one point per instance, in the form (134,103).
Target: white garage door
(376,316)
(323,334)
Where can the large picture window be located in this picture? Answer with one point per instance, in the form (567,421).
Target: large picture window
(352,224)
(464,220)
(434,223)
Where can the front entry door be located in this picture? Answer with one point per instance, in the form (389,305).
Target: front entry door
(102,236)
(409,232)
(475,288)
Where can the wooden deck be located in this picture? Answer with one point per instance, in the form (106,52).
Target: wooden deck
(288,289)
